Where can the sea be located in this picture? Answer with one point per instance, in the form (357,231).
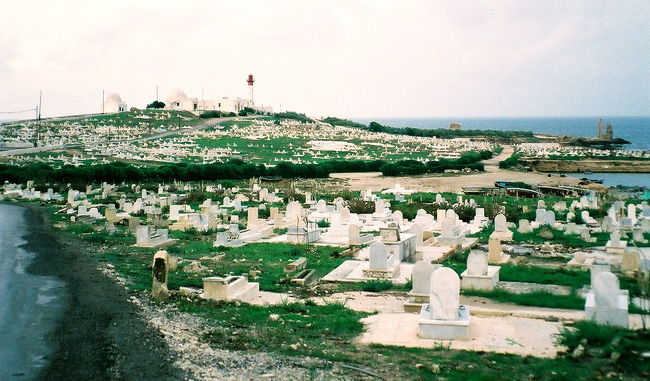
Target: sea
(636,130)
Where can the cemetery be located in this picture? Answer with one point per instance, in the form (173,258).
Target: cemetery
(395,271)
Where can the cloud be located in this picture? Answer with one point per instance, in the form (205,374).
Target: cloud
(348,58)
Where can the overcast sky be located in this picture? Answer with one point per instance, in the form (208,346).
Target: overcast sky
(342,58)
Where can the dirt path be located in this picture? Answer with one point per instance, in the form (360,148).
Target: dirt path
(492,165)
(101,335)
(446,183)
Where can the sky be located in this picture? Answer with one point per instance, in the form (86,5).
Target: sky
(351,59)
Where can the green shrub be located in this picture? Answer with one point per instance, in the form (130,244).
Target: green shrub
(80,228)
(323,224)
(376,285)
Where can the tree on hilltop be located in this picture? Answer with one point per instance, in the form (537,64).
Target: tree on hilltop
(156,104)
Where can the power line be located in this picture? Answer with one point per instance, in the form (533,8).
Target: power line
(17,112)
(15,99)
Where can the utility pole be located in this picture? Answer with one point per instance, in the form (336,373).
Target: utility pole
(38,130)
(156,93)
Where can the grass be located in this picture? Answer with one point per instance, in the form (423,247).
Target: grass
(297,328)
(532,299)
(572,240)
(621,345)
(328,331)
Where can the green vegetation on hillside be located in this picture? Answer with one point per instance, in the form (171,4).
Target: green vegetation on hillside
(469,160)
(293,116)
(444,133)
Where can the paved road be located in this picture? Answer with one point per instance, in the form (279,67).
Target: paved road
(179,131)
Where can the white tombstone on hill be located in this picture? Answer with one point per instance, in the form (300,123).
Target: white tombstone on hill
(440,199)
(443,318)
(142,236)
(227,203)
(477,263)
(524,226)
(615,245)
(559,206)
(321,206)
(160,275)
(308,199)
(479,217)
(637,235)
(607,225)
(174,212)
(380,208)
(450,233)
(237,205)
(345,214)
(550,217)
(252,221)
(571,228)
(570,216)
(441,214)
(501,230)
(137,205)
(495,252)
(397,217)
(541,204)
(607,304)
(294,214)
(645,210)
(580,259)
(585,234)
(378,256)
(417,230)
(222,239)
(355,238)
(479,275)
(540,216)
(381,265)
(631,213)
(445,294)
(630,261)
(421,281)
(597,268)
(645,225)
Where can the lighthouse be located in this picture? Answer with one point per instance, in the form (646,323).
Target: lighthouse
(250,81)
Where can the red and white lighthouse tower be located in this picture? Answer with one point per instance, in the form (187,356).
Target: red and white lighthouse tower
(250,81)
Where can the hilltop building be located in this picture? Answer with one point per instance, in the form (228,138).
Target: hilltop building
(113,103)
(178,100)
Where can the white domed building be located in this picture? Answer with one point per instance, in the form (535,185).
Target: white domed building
(113,103)
(177,100)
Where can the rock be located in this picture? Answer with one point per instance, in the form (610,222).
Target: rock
(578,352)
(546,233)
(435,369)
(196,267)
(274,317)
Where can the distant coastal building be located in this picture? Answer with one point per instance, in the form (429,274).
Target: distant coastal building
(454,126)
(113,103)
(609,132)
